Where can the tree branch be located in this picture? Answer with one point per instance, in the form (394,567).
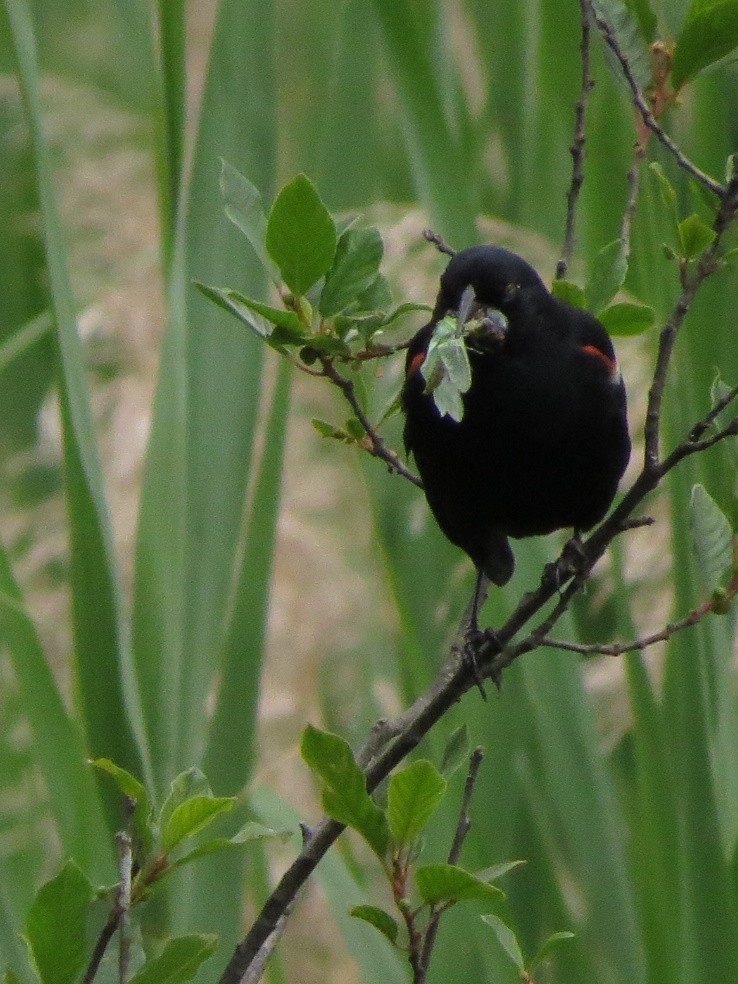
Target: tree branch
(374,443)
(647,116)
(577,147)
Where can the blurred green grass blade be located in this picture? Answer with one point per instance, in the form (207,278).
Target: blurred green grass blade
(409,32)
(158,599)
(199,458)
(564,740)
(231,743)
(173,82)
(106,692)
(24,338)
(230,749)
(224,364)
(58,747)
(14,953)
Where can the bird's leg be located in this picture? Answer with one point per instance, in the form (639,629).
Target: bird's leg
(472,635)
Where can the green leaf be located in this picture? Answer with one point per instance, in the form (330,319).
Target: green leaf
(354,270)
(378,918)
(244,207)
(376,297)
(192,816)
(183,787)
(719,391)
(568,291)
(547,946)
(179,961)
(328,430)
(629,25)
(666,190)
(645,18)
(712,538)
(250,833)
(507,940)
(413,796)
(346,798)
(607,276)
(496,871)
(695,236)
(301,235)
(449,883)
(56,926)
(625,318)
(456,751)
(446,368)
(126,783)
(136,791)
(291,329)
(710,33)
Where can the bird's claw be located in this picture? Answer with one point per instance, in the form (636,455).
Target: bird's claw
(474,639)
(559,571)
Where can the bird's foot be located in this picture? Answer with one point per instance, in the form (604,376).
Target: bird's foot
(558,572)
(474,639)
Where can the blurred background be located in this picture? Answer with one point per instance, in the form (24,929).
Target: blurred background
(203,575)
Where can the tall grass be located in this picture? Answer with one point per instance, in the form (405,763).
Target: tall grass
(458,108)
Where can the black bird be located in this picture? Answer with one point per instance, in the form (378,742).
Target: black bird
(543,440)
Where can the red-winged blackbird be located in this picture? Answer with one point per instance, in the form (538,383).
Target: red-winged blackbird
(543,440)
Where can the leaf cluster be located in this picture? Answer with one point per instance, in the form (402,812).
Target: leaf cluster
(395,833)
(161,842)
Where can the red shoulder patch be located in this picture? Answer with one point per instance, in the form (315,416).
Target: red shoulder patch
(415,363)
(609,362)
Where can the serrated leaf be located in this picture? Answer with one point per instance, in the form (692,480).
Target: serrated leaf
(546,948)
(413,795)
(376,297)
(378,918)
(354,269)
(507,940)
(456,751)
(179,961)
(450,883)
(712,538)
(607,276)
(244,207)
(300,235)
(345,798)
(192,816)
(695,236)
(56,926)
(626,318)
(710,33)
(569,292)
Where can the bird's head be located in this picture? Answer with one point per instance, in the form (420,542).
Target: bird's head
(498,278)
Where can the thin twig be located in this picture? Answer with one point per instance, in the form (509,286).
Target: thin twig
(577,147)
(125,869)
(462,829)
(648,118)
(435,239)
(618,648)
(374,444)
(633,180)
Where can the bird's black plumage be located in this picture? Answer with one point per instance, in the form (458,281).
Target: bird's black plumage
(543,441)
